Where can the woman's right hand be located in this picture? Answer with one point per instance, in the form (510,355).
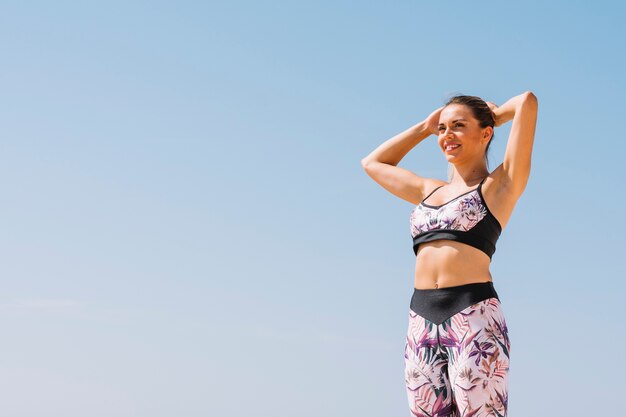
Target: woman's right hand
(432,121)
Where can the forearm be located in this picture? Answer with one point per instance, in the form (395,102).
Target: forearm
(506,112)
(394,149)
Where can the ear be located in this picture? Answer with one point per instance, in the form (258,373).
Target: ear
(488,132)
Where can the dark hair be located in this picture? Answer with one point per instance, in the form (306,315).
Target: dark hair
(480,111)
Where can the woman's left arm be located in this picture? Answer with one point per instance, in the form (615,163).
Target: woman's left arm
(517,157)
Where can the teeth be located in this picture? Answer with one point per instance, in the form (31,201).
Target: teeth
(451,147)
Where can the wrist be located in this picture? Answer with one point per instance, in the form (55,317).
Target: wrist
(422,130)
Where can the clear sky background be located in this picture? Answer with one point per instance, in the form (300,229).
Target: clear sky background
(187,230)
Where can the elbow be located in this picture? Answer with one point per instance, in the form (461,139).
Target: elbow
(530,97)
(364,162)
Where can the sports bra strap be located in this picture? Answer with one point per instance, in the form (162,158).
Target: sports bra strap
(431,193)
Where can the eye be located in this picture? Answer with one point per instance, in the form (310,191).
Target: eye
(456,125)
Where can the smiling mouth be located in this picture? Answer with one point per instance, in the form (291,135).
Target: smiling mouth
(450,148)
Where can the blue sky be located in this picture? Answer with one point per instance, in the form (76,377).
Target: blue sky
(187,230)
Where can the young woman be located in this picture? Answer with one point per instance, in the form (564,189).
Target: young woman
(457,347)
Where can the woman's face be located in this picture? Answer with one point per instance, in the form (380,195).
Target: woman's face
(457,126)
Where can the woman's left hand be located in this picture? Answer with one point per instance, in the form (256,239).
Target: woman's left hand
(494,110)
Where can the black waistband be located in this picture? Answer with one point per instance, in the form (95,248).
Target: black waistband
(439,304)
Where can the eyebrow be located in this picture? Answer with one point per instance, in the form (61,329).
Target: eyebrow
(454,121)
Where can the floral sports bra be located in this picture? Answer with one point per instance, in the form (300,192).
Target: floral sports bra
(465,219)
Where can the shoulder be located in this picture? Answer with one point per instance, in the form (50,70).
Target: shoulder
(498,183)
(423,187)
(499,195)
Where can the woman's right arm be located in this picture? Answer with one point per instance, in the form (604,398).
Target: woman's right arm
(381,164)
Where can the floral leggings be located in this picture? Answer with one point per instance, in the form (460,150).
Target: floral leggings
(457,353)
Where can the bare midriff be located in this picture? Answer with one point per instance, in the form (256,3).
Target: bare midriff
(448,263)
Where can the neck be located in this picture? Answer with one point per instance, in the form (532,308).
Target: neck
(468,175)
